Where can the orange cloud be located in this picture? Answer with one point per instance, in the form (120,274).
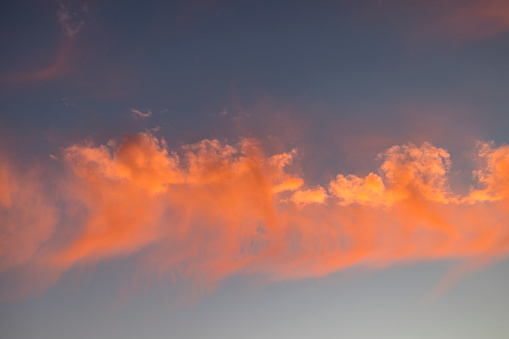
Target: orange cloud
(311,196)
(409,170)
(352,189)
(210,210)
(494,176)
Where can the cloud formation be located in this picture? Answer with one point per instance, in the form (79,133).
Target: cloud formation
(141,114)
(208,210)
(71,18)
(493,177)
(408,170)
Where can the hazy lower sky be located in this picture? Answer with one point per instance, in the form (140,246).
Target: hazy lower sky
(254,169)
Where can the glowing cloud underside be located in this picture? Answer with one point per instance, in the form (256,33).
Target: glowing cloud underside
(210,210)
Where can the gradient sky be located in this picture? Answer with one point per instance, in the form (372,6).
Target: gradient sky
(254,169)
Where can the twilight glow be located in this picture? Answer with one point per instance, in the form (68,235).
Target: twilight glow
(311,169)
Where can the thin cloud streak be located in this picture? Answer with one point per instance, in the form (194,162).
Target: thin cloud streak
(209,210)
(140,114)
(71,19)
(60,67)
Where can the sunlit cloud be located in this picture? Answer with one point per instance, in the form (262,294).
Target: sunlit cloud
(408,170)
(310,196)
(493,177)
(205,211)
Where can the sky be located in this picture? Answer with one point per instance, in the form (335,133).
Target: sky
(254,169)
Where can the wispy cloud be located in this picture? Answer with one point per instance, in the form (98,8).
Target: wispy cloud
(141,114)
(58,68)
(27,215)
(452,21)
(71,18)
(476,19)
